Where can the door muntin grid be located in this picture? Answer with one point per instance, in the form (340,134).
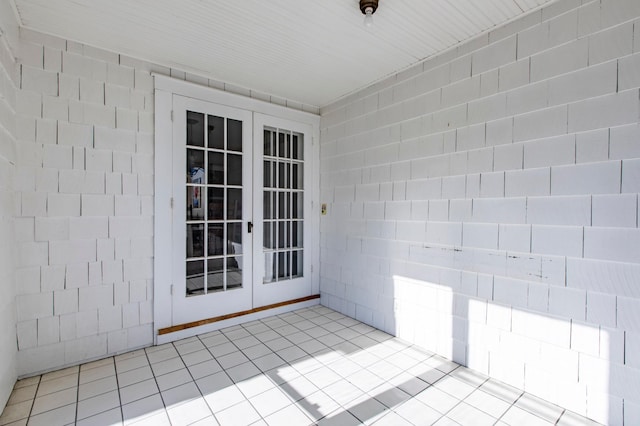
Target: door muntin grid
(213,204)
(283,207)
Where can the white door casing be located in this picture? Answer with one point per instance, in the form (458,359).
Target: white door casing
(172,307)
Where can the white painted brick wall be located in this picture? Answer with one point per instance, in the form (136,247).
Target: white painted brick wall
(524,181)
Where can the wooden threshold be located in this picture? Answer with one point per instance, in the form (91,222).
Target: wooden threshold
(185,326)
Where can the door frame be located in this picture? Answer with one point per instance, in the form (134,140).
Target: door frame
(165,88)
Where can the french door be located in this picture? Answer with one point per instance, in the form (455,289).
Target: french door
(239,209)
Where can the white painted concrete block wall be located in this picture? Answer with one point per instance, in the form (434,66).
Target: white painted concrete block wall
(491,197)
(84,200)
(8,83)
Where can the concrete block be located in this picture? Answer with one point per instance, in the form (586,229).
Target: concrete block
(570,211)
(499,316)
(480,160)
(480,235)
(533,182)
(410,231)
(544,328)
(500,132)
(424,189)
(596,80)
(539,124)
(560,60)
(48,330)
(628,72)
(439,210)
(631,175)
(65,302)
(499,210)
(419,210)
(470,137)
(28,104)
(550,152)
(34,204)
(515,238)
(592,178)
(109,319)
(126,119)
(64,252)
(453,186)
(538,297)
(39,81)
(568,302)
(95,297)
(554,270)
(616,244)
(91,91)
(87,323)
(612,43)
(137,289)
(52,59)
(49,229)
(46,131)
(557,240)
(47,180)
(601,309)
(460,210)
(77,135)
(55,108)
(76,275)
(446,233)
(461,92)
(604,111)
(27,334)
(97,205)
(495,55)
(618,211)
(592,146)
(628,314)
(81,228)
(63,205)
(528,98)
(28,281)
(120,75)
(563,27)
(604,276)
(488,108)
(69,87)
(99,160)
(52,278)
(515,74)
(57,157)
(460,68)
(492,184)
(34,306)
(489,83)
(624,142)
(508,157)
(473,185)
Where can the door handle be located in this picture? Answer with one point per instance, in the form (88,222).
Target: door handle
(249,227)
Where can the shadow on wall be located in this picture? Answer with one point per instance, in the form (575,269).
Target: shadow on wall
(556,359)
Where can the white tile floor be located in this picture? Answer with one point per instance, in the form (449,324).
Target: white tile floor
(312,366)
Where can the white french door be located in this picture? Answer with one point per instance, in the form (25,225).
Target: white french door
(212,193)
(240,218)
(281,209)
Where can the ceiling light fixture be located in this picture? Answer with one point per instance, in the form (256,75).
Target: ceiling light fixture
(368,8)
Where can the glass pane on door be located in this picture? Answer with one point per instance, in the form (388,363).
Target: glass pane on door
(283,219)
(214,185)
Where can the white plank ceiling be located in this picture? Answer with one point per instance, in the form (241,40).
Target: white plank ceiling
(309,51)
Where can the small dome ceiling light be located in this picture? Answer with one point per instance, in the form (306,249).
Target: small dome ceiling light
(368,8)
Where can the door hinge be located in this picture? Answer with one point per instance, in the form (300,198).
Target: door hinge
(171,289)
(311,268)
(171,202)
(172,116)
